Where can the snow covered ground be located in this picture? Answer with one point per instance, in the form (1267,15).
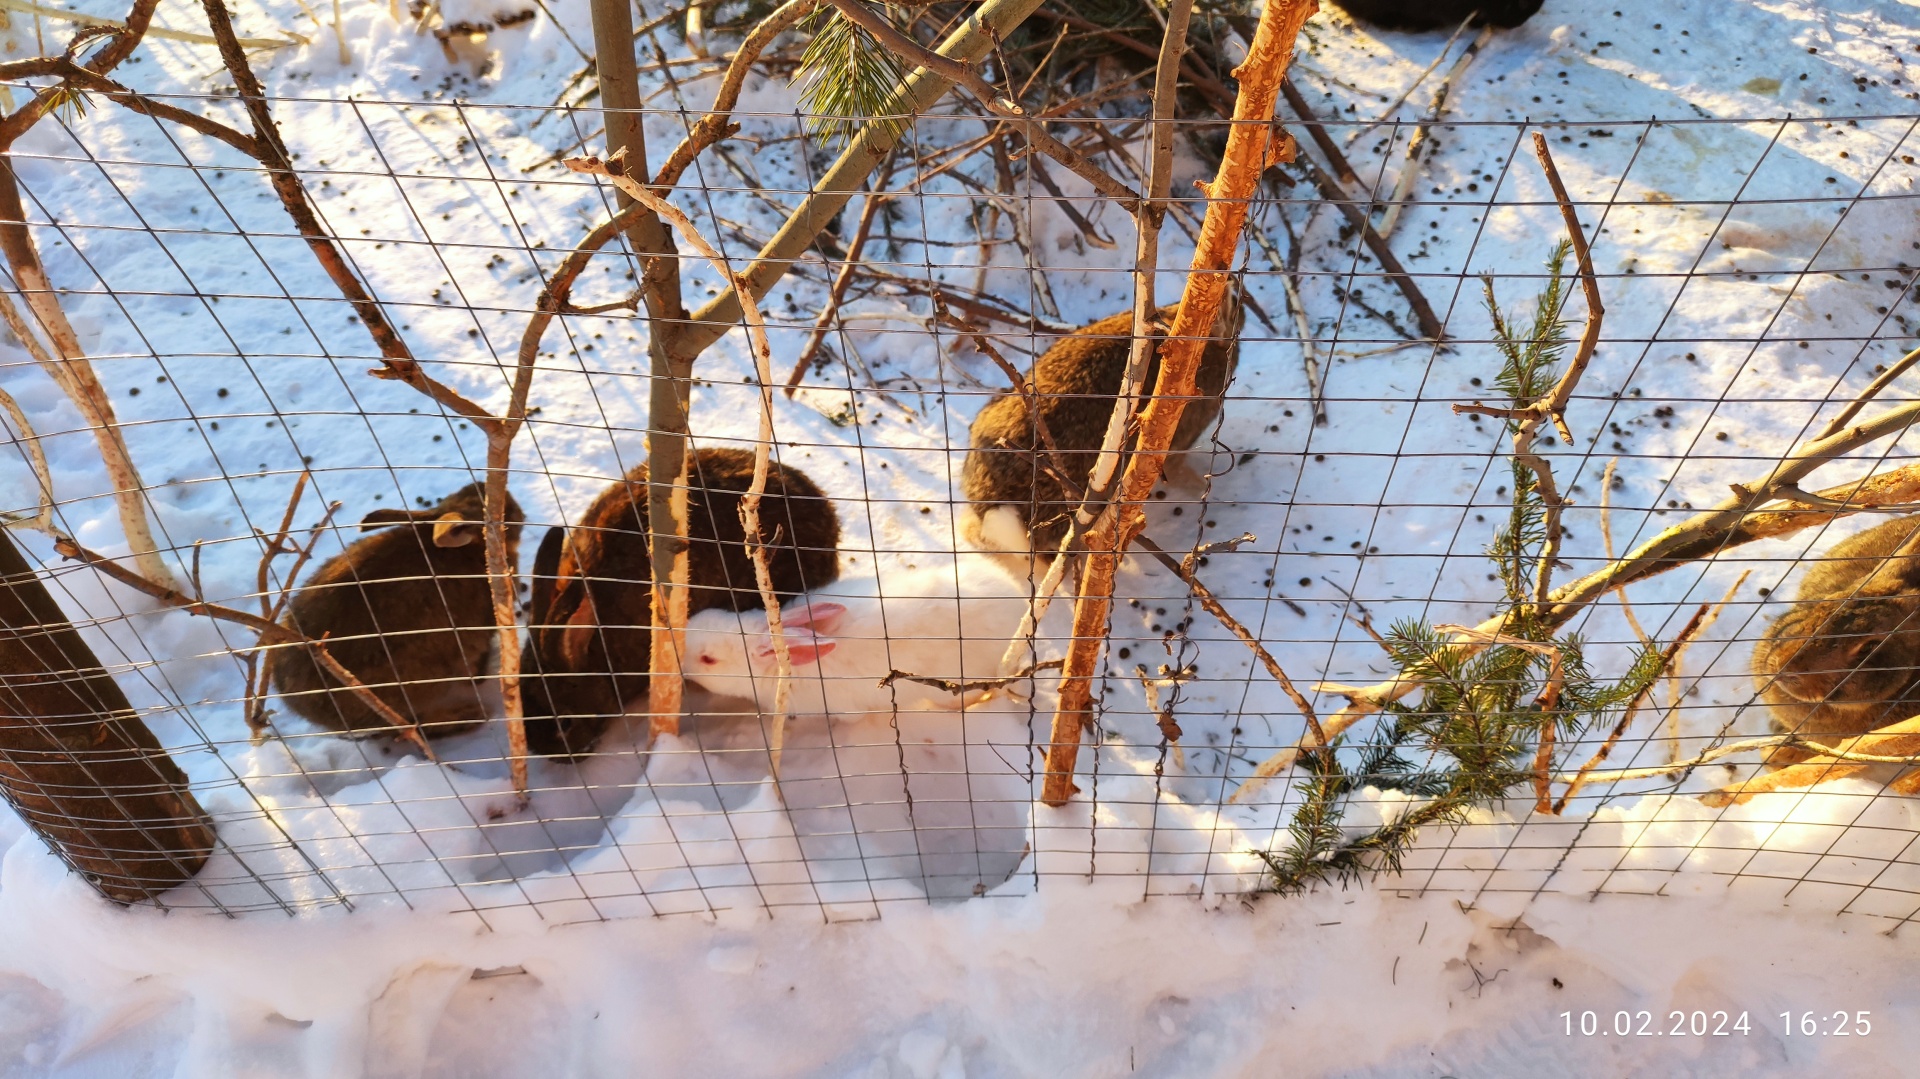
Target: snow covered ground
(1754,281)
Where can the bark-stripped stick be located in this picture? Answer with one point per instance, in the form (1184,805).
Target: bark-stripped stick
(1417,146)
(1228,198)
(1895,743)
(1147,217)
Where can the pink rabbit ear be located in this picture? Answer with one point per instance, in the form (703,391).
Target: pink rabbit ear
(808,650)
(803,645)
(815,616)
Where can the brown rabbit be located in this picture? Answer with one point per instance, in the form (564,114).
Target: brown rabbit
(409,611)
(1845,658)
(1018,505)
(592,599)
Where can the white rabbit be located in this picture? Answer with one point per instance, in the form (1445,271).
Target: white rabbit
(950,622)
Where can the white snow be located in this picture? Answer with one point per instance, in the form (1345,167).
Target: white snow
(673,912)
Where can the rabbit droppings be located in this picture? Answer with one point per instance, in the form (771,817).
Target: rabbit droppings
(409,611)
(592,599)
(1845,658)
(1018,506)
(935,623)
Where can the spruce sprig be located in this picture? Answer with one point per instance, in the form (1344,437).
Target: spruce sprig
(1473,736)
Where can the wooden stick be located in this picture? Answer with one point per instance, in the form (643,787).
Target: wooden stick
(1772,741)
(68,364)
(1147,221)
(1390,265)
(1148,217)
(1317,131)
(1894,743)
(1245,158)
(42,519)
(1900,367)
(1417,146)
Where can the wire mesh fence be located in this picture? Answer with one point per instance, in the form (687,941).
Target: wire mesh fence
(1755,286)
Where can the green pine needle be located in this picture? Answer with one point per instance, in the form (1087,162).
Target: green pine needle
(847,79)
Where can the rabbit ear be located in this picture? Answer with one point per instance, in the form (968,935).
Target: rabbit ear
(579,632)
(453,530)
(804,647)
(815,617)
(383,518)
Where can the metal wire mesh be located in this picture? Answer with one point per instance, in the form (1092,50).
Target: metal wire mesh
(1747,306)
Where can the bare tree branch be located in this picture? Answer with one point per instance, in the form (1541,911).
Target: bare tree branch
(271,633)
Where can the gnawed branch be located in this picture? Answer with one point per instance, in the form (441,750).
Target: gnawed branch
(1247,155)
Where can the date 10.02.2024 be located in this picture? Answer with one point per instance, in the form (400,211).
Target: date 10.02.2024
(1715,1024)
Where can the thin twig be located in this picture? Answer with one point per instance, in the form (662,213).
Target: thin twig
(1317,131)
(1394,106)
(1417,146)
(1528,418)
(1772,741)
(1675,694)
(837,294)
(271,633)
(1606,541)
(27,437)
(1213,606)
(614,171)
(1900,367)
(951,686)
(1667,656)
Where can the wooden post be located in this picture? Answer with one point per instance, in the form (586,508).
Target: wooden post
(77,764)
(1228,199)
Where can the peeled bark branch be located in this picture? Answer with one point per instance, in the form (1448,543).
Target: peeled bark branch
(1246,157)
(68,364)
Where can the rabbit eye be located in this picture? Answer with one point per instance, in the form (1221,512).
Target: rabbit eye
(709,661)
